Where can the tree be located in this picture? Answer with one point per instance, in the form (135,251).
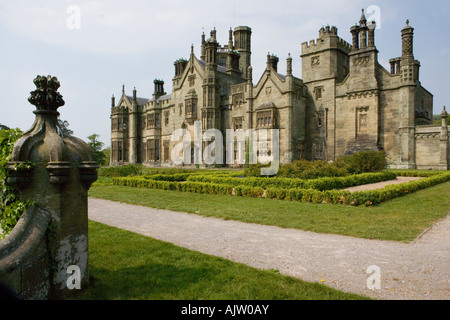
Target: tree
(107,154)
(96,147)
(64,126)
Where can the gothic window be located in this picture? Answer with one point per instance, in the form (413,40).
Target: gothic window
(345,71)
(320,118)
(157,150)
(265,118)
(319,150)
(143,151)
(301,152)
(157,120)
(180,106)
(153,150)
(166,151)
(120,151)
(237,123)
(166,118)
(238,100)
(209,119)
(318,92)
(210,97)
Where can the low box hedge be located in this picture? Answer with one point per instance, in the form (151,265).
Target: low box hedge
(288,183)
(311,195)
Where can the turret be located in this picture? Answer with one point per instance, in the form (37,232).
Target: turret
(180,65)
(211,49)
(363,35)
(407,42)
(203,52)
(132,129)
(320,56)
(409,68)
(272,62)
(159,89)
(242,44)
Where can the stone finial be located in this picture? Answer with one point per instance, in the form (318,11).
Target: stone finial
(46,97)
(444,113)
(363,19)
(289,65)
(62,170)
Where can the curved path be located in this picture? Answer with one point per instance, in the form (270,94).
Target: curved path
(419,270)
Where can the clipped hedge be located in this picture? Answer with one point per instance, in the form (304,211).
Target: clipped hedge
(309,195)
(197,187)
(368,197)
(321,184)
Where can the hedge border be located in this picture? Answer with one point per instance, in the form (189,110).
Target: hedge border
(308,195)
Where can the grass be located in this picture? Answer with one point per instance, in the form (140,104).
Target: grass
(401,219)
(128,266)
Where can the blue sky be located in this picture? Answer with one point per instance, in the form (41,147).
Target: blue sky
(132,42)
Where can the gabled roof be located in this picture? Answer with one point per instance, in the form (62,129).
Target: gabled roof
(164,98)
(140,101)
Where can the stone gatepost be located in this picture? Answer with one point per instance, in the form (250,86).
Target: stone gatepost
(63,170)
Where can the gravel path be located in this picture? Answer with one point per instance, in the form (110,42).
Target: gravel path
(380,185)
(419,270)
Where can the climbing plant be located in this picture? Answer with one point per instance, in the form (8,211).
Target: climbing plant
(11,208)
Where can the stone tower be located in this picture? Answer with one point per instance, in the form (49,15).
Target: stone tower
(409,73)
(243,45)
(325,63)
(211,85)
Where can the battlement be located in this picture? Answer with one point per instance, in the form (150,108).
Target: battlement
(328,39)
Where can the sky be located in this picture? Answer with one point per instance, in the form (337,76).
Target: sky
(96,47)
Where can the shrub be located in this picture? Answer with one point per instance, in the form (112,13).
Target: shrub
(303,169)
(365,161)
(11,208)
(121,171)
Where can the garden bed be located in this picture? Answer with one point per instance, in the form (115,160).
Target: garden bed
(319,191)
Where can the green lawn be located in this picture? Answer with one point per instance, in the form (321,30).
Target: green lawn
(128,266)
(401,219)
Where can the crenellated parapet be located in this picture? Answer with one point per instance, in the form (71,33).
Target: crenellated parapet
(328,39)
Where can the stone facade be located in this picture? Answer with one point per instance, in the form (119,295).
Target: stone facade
(344,103)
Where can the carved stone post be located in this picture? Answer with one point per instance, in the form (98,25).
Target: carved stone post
(63,170)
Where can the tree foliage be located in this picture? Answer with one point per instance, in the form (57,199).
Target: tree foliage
(11,208)
(97,148)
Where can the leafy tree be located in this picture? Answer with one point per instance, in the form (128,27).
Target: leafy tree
(96,147)
(64,126)
(107,154)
